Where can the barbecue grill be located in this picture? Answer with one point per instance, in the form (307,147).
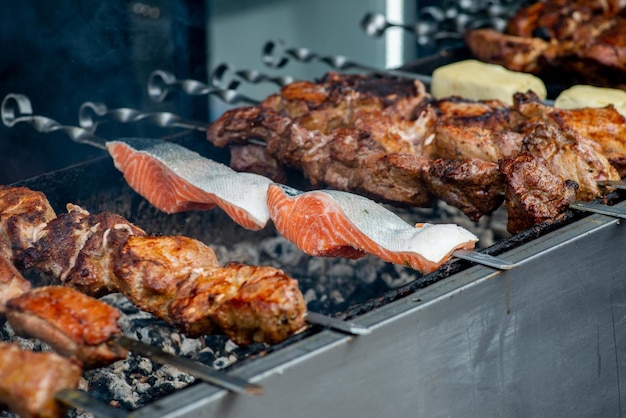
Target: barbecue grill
(545,338)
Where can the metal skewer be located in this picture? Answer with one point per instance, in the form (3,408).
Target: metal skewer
(618,184)
(337,324)
(91,114)
(194,368)
(338,62)
(16,108)
(224,72)
(76,398)
(592,207)
(162,83)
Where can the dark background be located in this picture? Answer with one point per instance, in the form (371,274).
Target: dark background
(61,54)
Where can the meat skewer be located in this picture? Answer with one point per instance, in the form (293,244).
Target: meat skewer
(85,329)
(101,254)
(170,152)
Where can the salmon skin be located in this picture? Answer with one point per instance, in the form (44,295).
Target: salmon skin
(332,223)
(176,179)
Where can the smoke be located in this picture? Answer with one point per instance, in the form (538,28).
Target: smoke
(63,53)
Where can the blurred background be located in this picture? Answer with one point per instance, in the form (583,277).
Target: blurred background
(61,54)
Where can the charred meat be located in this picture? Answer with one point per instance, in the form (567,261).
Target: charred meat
(73,324)
(533,193)
(554,38)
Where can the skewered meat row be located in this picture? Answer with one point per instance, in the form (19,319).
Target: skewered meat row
(175,278)
(456,158)
(586,39)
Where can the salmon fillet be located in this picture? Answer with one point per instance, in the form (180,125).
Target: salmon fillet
(175,179)
(332,223)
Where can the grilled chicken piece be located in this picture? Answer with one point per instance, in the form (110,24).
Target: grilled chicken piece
(12,283)
(22,212)
(150,270)
(177,279)
(75,325)
(30,380)
(533,193)
(472,185)
(248,303)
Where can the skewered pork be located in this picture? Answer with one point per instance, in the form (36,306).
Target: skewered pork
(175,278)
(533,193)
(29,381)
(73,324)
(22,212)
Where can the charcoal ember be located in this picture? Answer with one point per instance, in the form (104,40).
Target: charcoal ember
(283,252)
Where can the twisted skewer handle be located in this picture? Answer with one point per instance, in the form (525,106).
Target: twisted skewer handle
(226,72)
(161,84)
(92,113)
(16,108)
(276,54)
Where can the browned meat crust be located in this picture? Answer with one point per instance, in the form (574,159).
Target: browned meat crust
(177,279)
(248,303)
(73,324)
(347,159)
(582,39)
(30,380)
(22,212)
(533,193)
(472,185)
(570,159)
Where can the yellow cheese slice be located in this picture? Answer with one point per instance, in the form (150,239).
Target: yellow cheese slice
(589,96)
(476,80)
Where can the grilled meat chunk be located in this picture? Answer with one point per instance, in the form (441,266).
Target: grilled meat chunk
(73,324)
(585,40)
(29,381)
(76,248)
(602,128)
(92,270)
(347,159)
(472,185)
(481,129)
(22,212)
(249,304)
(149,270)
(12,283)
(533,193)
(571,159)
